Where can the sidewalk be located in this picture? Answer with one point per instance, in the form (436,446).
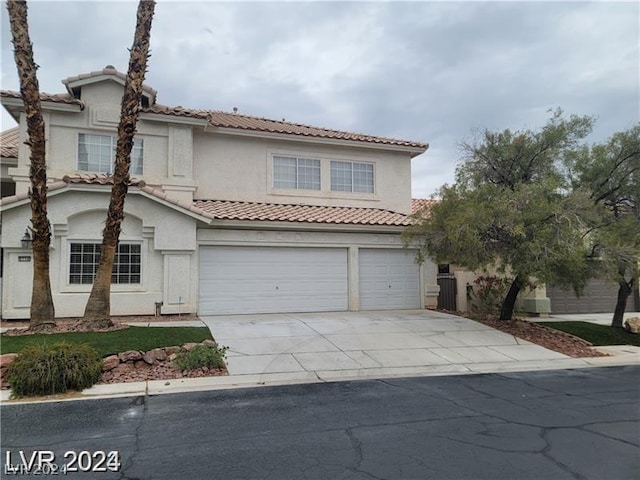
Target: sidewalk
(325,347)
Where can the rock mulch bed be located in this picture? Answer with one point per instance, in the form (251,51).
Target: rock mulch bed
(137,366)
(545,336)
(156,364)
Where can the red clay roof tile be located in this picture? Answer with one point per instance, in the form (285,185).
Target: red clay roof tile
(9,143)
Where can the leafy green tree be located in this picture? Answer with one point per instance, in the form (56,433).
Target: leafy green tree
(610,172)
(510,209)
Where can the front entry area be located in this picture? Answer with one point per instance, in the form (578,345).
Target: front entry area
(242,280)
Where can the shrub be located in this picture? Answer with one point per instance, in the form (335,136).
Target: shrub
(488,293)
(201,356)
(45,369)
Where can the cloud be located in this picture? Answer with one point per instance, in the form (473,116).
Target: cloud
(424,71)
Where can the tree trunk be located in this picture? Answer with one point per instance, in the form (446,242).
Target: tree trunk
(624,290)
(42,309)
(98,310)
(506,313)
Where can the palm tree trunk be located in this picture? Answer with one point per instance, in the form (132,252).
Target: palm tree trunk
(624,290)
(98,310)
(42,309)
(506,313)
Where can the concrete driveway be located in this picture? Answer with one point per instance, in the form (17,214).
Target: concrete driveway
(347,345)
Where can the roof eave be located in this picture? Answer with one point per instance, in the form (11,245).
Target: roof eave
(412,150)
(15,106)
(166,118)
(305,226)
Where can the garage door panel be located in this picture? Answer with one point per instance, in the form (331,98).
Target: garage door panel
(237,280)
(389,279)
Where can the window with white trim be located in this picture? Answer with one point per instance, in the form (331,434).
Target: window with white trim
(97,153)
(84,259)
(294,172)
(351,177)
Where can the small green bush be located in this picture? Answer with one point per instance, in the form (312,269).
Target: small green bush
(201,356)
(46,369)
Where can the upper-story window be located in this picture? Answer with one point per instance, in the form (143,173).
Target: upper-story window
(351,177)
(293,172)
(96,153)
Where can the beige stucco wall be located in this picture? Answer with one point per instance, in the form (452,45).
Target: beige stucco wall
(231,167)
(79,217)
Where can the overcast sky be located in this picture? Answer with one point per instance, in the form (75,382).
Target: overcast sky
(423,71)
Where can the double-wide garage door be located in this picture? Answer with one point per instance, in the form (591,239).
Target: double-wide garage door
(243,280)
(272,280)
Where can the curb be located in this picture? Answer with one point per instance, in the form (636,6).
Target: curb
(185,385)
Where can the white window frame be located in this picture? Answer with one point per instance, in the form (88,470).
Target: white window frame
(354,186)
(301,183)
(117,265)
(137,153)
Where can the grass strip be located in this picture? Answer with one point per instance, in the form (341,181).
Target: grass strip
(598,335)
(115,341)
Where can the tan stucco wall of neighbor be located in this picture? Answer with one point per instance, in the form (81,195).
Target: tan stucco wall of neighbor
(79,217)
(231,167)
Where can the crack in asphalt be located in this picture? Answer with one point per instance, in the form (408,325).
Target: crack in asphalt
(142,400)
(356,445)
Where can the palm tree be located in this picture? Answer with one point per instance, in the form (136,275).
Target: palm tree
(97,313)
(42,309)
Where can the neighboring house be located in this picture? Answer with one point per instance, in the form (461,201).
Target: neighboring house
(226,213)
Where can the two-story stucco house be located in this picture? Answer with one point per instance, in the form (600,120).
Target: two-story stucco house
(226,213)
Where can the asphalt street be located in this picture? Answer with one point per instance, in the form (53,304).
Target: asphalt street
(562,424)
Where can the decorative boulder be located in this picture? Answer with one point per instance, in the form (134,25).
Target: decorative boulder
(632,324)
(110,362)
(130,356)
(189,346)
(209,343)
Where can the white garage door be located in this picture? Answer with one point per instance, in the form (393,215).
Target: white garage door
(237,280)
(389,279)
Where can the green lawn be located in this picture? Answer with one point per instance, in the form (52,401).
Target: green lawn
(596,334)
(116,341)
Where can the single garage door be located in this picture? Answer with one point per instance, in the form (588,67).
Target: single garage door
(237,280)
(599,296)
(389,279)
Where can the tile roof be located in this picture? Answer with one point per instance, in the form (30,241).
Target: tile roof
(233,210)
(250,211)
(421,204)
(46,97)
(9,143)
(108,70)
(222,119)
(247,211)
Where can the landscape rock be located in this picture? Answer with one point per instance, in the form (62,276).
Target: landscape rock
(172,350)
(189,346)
(159,354)
(148,358)
(7,359)
(130,356)
(209,343)
(140,364)
(110,362)
(172,357)
(632,325)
